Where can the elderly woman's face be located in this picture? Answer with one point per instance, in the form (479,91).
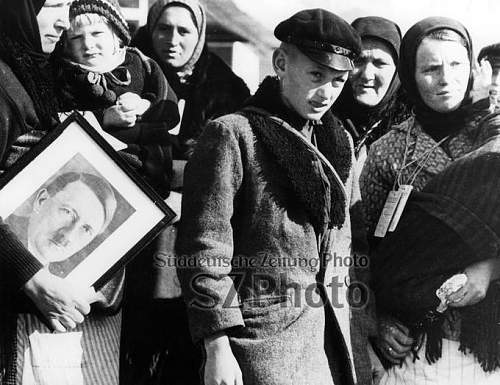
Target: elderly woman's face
(442,73)
(52,20)
(175,36)
(373,72)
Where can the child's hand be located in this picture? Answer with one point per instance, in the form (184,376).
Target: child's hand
(130,102)
(114,116)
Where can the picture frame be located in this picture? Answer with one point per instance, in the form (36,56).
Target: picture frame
(78,206)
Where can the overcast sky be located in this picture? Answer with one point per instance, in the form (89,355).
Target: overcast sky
(481,17)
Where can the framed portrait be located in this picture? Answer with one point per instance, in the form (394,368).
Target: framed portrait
(78,207)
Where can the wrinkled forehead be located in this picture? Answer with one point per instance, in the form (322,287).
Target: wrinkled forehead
(374,43)
(431,49)
(179,14)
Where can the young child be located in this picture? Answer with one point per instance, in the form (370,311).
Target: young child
(491,53)
(131,98)
(126,90)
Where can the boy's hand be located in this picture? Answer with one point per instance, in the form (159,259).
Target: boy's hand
(221,366)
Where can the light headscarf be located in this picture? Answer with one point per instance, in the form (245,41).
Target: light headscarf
(200,19)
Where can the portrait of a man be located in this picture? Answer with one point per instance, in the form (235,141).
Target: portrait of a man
(65,216)
(65,219)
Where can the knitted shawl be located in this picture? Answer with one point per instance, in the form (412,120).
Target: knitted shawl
(453,223)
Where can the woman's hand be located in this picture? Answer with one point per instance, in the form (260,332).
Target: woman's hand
(393,339)
(479,275)
(62,304)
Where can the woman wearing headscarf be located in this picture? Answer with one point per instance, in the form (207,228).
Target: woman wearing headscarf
(370,103)
(373,99)
(442,128)
(436,70)
(441,268)
(30,30)
(206,87)
(175,37)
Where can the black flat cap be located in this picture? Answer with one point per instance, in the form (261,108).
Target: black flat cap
(322,36)
(490,53)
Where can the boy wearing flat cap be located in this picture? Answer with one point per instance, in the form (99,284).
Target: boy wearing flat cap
(265,213)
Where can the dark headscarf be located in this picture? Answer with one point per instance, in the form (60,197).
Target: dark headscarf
(18,22)
(389,33)
(21,49)
(436,124)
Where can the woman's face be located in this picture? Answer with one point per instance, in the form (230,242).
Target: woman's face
(175,36)
(442,73)
(52,19)
(373,72)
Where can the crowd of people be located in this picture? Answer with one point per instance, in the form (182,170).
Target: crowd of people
(365,144)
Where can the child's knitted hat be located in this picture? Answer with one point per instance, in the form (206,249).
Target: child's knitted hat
(110,9)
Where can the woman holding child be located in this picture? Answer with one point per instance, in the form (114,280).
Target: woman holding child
(30,30)
(30,101)
(96,70)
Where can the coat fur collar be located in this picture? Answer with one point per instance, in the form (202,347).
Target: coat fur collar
(315,185)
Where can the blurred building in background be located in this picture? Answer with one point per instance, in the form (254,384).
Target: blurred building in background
(240,31)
